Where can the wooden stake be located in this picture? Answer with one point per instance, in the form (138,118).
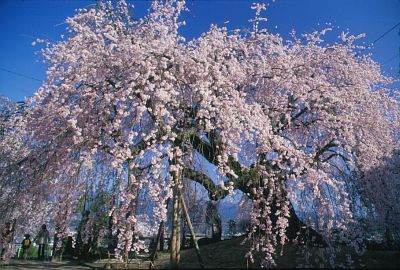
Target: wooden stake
(189,223)
(154,253)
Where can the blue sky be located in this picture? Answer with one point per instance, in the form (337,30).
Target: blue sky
(22,21)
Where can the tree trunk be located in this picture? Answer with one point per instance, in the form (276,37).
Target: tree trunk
(162,239)
(56,252)
(297,229)
(176,225)
(295,224)
(209,150)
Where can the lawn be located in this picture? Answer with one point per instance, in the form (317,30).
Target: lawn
(231,254)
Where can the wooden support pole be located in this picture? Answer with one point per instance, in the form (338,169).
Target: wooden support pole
(189,223)
(154,253)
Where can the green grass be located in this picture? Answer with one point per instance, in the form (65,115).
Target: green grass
(230,254)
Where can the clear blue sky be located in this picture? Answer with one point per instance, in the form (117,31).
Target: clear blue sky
(22,21)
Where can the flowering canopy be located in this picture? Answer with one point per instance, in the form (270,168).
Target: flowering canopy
(282,120)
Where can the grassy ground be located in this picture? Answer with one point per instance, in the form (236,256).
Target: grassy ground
(231,254)
(224,254)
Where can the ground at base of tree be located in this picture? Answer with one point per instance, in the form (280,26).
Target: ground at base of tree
(224,254)
(231,254)
(38,265)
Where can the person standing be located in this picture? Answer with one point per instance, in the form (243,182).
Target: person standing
(42,239)
(26,244)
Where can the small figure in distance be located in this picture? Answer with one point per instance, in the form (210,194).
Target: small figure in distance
(26,244)
(42,239)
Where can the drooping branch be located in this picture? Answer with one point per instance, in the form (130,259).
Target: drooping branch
(214,192)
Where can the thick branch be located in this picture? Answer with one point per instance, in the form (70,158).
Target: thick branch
(214,192)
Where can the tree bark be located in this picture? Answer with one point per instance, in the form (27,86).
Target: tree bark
(56,253)
(162,239)
(176,225)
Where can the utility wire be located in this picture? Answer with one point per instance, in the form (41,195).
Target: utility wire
(36,79)
(20,74)
(387,32)
(391,58)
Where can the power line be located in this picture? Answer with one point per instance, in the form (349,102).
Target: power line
(387,32)
(391,58)
(36,79)
(20,74)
